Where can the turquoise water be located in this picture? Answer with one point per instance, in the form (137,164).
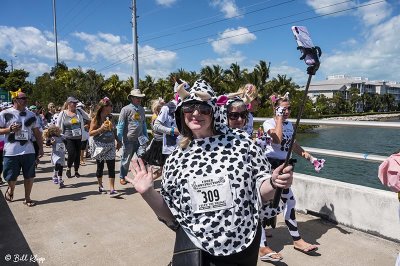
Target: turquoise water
(378,141)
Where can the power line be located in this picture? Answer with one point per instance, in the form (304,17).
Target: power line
(181,25)
(202,19)
(74,5)
(259,30)
(251,25)
(86,17)
(76,15)
(221,20)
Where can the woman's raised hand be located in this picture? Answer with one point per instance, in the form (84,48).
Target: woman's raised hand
(142,176)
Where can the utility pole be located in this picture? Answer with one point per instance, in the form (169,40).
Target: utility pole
(55,29)
(12,66)
(135,48)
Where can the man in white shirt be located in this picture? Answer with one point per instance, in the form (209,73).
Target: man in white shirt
(19,124)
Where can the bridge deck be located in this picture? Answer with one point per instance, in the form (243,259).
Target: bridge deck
(77,226)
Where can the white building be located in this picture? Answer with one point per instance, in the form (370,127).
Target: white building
(342,84)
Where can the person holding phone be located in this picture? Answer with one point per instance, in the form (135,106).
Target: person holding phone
(18,124)
(213,185)
(278,133)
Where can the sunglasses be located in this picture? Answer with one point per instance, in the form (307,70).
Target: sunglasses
(22,98)
(236,115)
(203,109)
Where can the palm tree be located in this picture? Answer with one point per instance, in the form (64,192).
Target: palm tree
(234,77)
(114,89)
(263,72)
(214,76)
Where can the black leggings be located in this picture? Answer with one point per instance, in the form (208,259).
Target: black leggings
(1,162)
(110,167)
(59,169)
(74,153)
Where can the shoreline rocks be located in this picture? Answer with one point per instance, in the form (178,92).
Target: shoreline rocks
(376,117)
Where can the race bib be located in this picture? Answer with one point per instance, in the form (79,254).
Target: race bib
(60,147)
(76,132)
(136,116)
(21,135)
(210,194)
(143,140)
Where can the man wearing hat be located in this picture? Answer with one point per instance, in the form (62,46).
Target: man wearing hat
(19,125)
(131,130)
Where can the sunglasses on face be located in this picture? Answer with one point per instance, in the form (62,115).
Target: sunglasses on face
(236,115)
(203,109)
(22,98)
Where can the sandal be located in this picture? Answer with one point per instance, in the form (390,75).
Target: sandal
(9,196)
(29,203)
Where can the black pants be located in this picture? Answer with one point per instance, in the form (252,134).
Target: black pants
(59,169)
(74,153)
(1,162)
(110,167)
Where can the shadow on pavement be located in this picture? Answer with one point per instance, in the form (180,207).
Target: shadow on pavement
(310,231)
(13,245)
(69,197)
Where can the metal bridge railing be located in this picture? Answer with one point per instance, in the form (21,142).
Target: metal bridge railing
(347,123)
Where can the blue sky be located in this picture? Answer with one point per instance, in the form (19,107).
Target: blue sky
(97,34)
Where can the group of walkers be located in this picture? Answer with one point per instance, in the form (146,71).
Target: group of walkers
(218,179)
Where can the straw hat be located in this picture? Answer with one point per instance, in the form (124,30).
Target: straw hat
(136,93)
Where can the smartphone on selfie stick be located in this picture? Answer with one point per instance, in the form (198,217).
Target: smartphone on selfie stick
(310,54)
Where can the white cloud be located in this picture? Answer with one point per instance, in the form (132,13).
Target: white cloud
(224,61)
(377,59)
(165,2)
(322,7)
(157,63)
(29,41)
(231,37)
(299,76)
(34,68)
(227,7)
(374,14)
(110,37)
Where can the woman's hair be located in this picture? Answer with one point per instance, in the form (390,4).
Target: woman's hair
(102,103)
(237,104)
(277,99)
(156,105)
(51,131)
(187,135)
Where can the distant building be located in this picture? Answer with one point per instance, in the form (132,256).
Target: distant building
(342,84)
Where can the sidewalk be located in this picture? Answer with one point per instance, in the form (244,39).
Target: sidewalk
(78,226)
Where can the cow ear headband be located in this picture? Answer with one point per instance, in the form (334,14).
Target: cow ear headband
(274,98)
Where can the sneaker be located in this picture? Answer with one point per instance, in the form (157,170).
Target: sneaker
(102,190)
(77,175)
(122,181)
(68,173)
(61,185)
(55,180)
(114,194)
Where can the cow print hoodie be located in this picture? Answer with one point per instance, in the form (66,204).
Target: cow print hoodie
(212,186)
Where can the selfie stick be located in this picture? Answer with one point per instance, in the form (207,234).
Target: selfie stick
(315,53)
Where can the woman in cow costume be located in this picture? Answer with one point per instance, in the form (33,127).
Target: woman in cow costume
(278,133)
(213,185)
